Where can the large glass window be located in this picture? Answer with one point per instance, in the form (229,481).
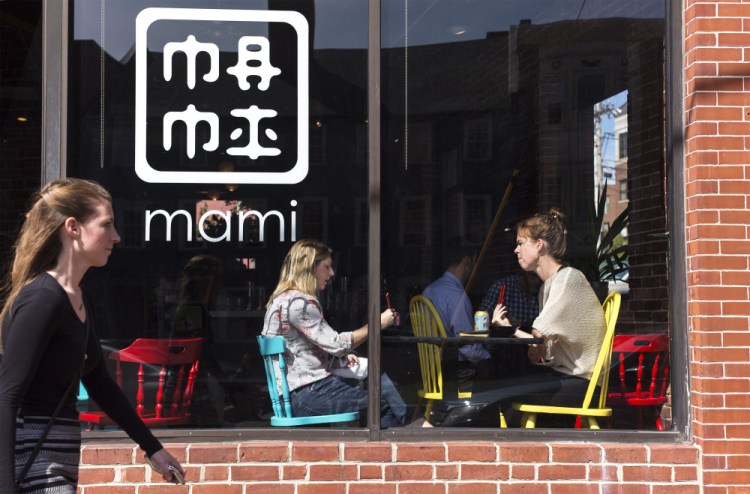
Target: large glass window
(227,130)
(568,96)
(193,92)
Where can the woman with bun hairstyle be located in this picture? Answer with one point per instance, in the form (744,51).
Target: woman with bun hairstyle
(312,345)
(49,340)
(570,320)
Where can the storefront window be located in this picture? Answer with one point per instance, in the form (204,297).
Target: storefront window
(228,130)
(168,98)
(545,90)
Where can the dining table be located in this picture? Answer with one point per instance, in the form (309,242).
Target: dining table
(461,340)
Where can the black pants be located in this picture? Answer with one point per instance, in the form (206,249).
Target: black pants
(467,373)
(568,392)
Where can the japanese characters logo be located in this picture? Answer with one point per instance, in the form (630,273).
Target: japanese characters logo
(221,86)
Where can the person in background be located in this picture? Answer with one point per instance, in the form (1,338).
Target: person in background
(49,339)
(521,298)
(570,320)
(294,312)
(216,392)
(199,286)
(449,297)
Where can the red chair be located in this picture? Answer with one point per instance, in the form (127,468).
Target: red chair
(648,388)
(177,361)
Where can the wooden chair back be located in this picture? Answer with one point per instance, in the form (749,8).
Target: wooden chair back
(272,350)
(177,362)
(647,386)
(426,322)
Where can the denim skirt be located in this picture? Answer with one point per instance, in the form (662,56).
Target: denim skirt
(55,468)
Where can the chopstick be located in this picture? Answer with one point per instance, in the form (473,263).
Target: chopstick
(500,297)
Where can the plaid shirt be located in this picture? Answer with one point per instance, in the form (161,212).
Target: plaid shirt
(520,306)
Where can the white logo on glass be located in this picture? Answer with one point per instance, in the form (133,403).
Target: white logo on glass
(253,60)
(191,47)
(191,117)
(265,70)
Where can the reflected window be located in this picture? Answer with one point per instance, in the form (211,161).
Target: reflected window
(415,221)
(477,140)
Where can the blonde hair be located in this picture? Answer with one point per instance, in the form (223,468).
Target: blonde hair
(549,227)
(298,269)
(38,245)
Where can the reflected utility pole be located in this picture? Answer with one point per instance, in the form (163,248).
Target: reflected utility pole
(601,109)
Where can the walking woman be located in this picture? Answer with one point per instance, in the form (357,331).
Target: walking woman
(49,340)
(294,312)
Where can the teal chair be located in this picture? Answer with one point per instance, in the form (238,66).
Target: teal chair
(272,350)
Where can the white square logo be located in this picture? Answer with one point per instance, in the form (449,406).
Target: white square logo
(221,96)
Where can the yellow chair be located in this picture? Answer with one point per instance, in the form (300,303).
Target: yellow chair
(587,412)
(426,323)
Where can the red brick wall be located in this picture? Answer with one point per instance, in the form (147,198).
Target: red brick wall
(717,171)
(401,468)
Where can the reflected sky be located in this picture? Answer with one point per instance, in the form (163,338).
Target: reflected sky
(342,24)
(443,21)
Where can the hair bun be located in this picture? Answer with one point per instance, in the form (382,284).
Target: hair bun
(556,214)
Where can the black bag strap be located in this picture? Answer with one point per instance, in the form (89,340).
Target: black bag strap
(54,415)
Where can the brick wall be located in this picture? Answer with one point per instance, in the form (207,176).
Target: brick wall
(646,307)
(717,170)
(281,467)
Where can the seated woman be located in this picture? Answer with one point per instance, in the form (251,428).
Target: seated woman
(571,319)
(294,312)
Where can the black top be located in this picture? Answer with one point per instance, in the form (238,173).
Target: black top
(43,351)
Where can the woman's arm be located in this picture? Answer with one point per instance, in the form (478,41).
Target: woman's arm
(306,316)
(359,336)
(108,395)
(537,352)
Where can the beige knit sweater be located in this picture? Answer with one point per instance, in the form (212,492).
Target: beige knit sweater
(572,320)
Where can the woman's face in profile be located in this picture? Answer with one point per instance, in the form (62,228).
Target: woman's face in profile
(323,273)
(526,251)
(98,235)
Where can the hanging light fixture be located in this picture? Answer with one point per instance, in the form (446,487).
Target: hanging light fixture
(227,166)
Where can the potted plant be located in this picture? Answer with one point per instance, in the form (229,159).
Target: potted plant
(601,252)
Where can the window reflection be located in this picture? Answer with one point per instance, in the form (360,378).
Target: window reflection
(473,92)
(246,228)
(567,95)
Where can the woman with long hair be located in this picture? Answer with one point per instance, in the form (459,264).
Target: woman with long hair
(49,340)
(570,320)
(294,312)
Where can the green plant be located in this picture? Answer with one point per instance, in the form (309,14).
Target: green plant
(604,253)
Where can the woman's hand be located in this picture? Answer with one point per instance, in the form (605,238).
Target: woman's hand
(537,353)
(164,461)
(352,360)
(500,316)
(387,318)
